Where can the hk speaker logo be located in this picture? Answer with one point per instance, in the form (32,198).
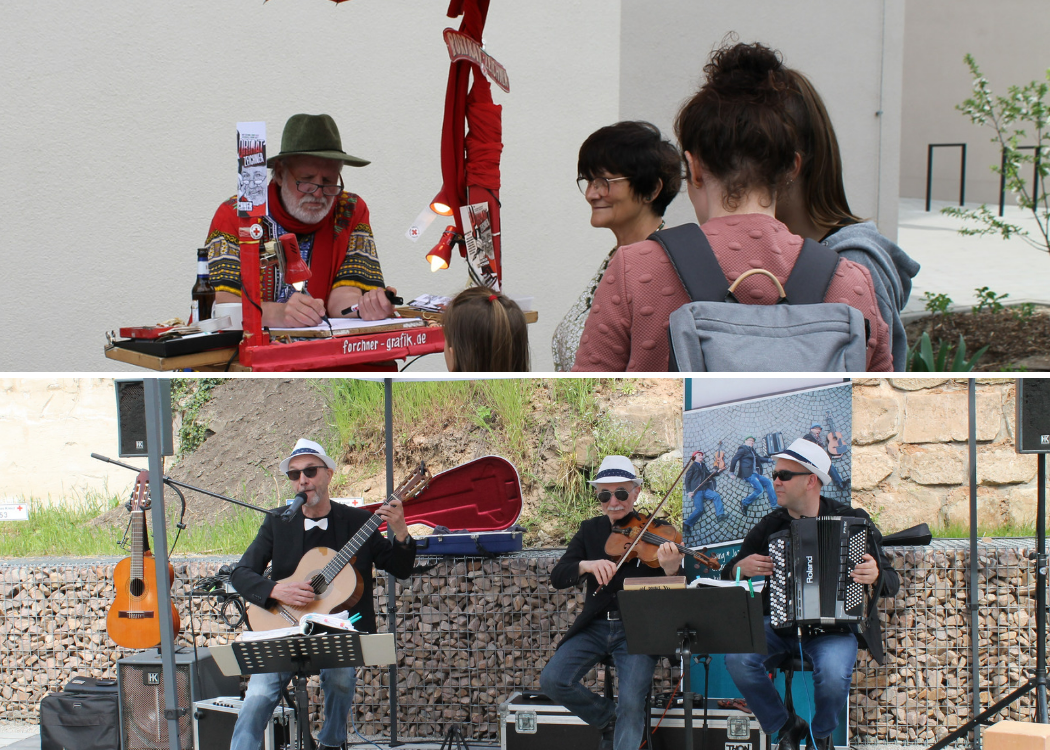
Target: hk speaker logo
(1044,439)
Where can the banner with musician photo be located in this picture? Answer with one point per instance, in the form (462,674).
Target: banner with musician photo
(729,489)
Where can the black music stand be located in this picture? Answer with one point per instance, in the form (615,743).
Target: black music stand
(684,622)
(303,656)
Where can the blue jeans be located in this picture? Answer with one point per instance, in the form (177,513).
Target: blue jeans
(264,692)
(833,657)
(560,681)
(836,477)
(761,484)
(698,505)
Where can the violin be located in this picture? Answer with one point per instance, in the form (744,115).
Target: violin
(633,540)
(720,458)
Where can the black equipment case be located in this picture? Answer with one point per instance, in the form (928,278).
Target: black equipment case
(84,716)
(531,721)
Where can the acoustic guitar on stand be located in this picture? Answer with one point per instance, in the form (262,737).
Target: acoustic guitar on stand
(331,574)
(133,620)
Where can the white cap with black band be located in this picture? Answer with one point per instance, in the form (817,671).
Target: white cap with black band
(811,456)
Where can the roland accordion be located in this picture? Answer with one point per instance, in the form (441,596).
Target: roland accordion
(811,583)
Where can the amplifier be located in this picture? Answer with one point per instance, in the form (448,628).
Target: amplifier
(140,680)
(213,721)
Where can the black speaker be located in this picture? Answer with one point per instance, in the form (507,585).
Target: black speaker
(140,678)
(1033,415)
(131,418)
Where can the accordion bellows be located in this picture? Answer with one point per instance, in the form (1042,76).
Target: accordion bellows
(812,562)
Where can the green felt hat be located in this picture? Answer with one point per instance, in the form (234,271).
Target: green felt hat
(314,135)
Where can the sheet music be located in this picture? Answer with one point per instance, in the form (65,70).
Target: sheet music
(353,325)
(719,583)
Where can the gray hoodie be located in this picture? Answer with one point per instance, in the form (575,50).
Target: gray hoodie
(891,272)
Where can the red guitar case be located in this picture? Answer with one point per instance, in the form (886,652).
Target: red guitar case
(478,502)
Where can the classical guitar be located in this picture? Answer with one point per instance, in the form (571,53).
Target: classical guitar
(133,620)
(336,583)
(836,445)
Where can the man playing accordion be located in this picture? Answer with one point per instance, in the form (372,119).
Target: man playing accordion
(801,471)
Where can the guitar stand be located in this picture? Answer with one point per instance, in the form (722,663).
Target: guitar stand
(454,739)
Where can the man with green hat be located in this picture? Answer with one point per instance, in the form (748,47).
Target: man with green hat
(306,198)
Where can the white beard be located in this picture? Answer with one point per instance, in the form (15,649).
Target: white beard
(305,207)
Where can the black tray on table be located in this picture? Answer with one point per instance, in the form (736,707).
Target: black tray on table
(180,346)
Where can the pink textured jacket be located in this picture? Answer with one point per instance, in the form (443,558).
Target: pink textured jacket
(626,330)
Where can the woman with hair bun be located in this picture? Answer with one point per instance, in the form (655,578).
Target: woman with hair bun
(485,331)
(739,144)
(629,174)
(814,205)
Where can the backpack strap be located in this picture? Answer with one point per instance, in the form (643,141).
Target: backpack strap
(694,261)
(812,275)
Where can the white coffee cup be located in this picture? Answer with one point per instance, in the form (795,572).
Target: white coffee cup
(231,310)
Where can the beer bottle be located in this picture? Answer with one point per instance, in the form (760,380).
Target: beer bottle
(203,295)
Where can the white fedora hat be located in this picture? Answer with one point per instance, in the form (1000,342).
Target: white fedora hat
(307,448)
(615,469)
(810,455)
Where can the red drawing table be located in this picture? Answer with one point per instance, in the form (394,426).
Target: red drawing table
(377,351)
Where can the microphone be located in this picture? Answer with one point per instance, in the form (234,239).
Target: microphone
(292,509)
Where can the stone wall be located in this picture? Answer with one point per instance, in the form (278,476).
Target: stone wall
(473,631)
(910,453)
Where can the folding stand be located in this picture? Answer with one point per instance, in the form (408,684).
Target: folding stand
(305,656)
(692,621)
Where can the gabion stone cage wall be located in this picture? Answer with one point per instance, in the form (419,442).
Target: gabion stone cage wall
(472,631)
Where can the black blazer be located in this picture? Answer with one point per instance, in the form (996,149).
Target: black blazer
(887,584)
(589,544)
(281,544)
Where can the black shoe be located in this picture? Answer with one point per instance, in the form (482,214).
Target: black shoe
(608,732)
(825,743)
(792,733)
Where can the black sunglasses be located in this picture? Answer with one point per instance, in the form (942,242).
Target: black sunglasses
(309,471)
(605,496)
(784,475)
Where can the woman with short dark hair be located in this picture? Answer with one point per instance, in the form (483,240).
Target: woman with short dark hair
(739,144)
(629,174)
(814,205)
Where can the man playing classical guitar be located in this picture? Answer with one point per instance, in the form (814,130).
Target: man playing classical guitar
(598,631)
(282,545)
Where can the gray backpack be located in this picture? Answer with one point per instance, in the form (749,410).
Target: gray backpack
(802,333)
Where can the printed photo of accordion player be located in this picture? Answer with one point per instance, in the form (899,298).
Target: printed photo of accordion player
(836,552)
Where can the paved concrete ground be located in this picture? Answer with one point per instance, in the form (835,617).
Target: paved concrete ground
(17,736)
(955,265)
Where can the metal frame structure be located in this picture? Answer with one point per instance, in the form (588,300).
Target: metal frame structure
(929,171)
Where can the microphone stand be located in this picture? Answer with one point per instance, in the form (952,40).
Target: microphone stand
(175,483)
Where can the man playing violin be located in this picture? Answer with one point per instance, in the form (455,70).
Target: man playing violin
(801,472)
(597,632)
(321,524)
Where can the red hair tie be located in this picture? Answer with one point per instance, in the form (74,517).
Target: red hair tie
(493,297)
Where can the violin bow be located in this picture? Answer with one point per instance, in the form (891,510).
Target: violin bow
(652,517)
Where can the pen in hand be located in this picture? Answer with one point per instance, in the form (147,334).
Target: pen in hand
(299,286)
(394,300)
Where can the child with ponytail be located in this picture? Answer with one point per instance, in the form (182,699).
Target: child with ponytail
(485,332)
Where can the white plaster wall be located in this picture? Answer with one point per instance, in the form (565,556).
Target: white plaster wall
(1009,40)
(48,429)
(117,144)
(851,51)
